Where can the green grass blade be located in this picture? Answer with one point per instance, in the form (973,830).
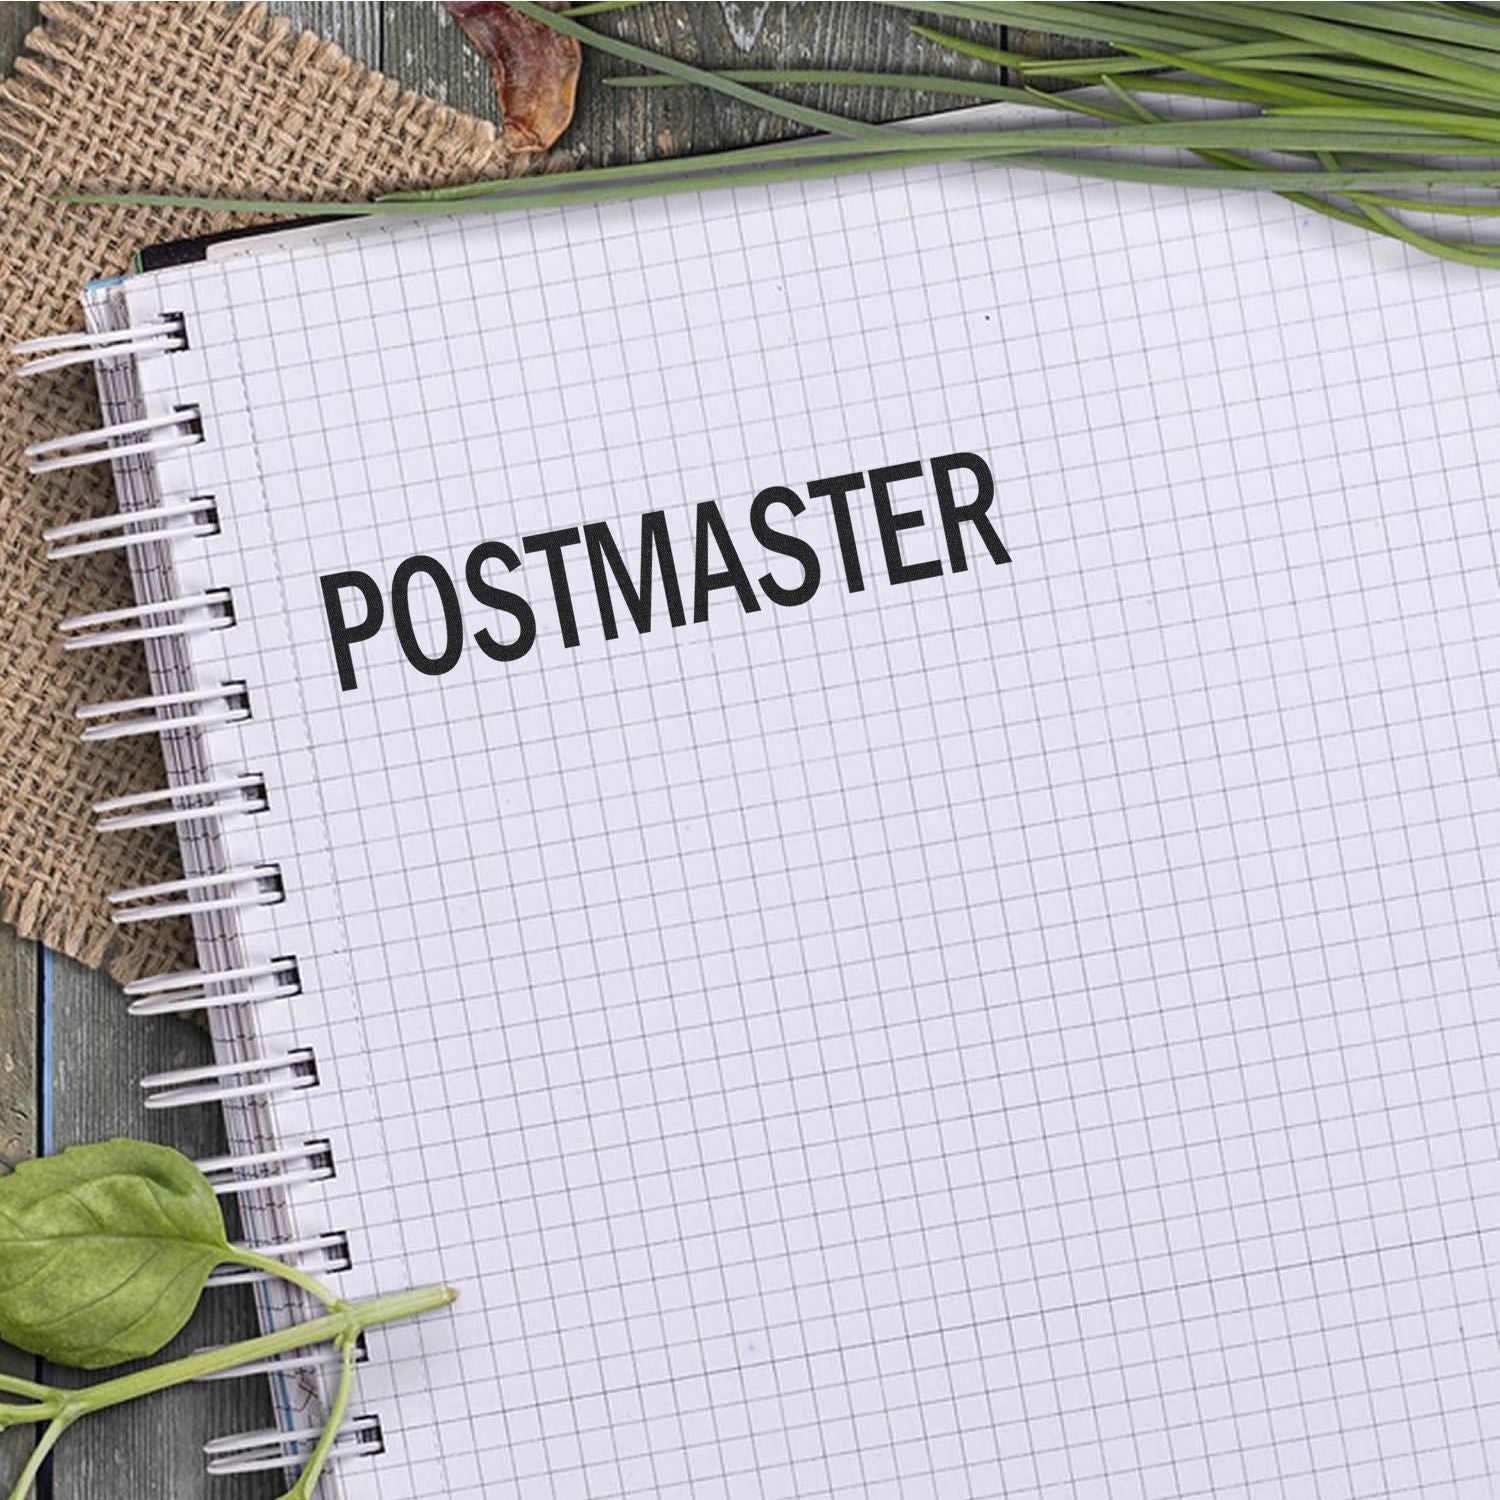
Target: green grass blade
(1435,206)
(1092,109)
(1187,88)
(1382,83)
(559,190)
(1425,21)
(1242,133)
(1237,53)
(1464,254)
(1352,216)
(1271,180)
(1268,90)
(966,47)
(808,148)
(1365,36)
(917,83)
(599,7)
(1475,126)
(1246,133)
(1113,23)
(1132,106)
(1372,46)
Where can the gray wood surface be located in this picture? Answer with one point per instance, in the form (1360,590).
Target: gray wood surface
(19,1004)
(69,1056)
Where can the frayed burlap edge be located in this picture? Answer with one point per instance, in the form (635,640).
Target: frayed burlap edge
(50,53)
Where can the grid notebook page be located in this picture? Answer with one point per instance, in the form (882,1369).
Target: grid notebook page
(918,1019)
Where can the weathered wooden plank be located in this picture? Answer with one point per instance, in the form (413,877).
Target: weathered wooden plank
(354,24)
(96,1057)
(15,22)
(427,51)
(18,1112)
(18,1044)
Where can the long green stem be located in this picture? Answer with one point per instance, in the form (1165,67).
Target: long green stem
(1099,23)
(45,1444)
(1415,57)
(806,148)
(350,1322)
(254,1261)
(23,1416)
(1425,119)
(13,1385)
(915,83)
(355,1318)
(599,7)
(341,1326)
(1098,168)
(898,140)
(307,1480)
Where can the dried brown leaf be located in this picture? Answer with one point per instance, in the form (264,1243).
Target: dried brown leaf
(535,69)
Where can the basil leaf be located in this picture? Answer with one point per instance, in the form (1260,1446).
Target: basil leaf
(104,1251)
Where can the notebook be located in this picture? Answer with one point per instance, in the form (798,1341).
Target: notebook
(865,810)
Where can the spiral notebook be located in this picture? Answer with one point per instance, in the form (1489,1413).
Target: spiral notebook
(867,811)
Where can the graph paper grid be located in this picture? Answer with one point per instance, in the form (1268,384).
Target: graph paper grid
(1028,1032)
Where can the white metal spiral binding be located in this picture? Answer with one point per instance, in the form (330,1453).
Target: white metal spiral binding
(226,890)
(259,1452)
(312,1161)
(188,710)
(102,445)
(324,1255)
(200,801)
(197,989)
(255,1077)
(211,610)
(125,716)
(60,350)
(133,528)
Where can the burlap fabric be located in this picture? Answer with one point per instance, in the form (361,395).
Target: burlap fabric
(185,98)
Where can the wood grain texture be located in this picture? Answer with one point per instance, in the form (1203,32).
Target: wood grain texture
(355,25)
(19,991)
(15,22)
(427,52)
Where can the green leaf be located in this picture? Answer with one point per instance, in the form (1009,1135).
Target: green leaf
(918,83)
(104,1251)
